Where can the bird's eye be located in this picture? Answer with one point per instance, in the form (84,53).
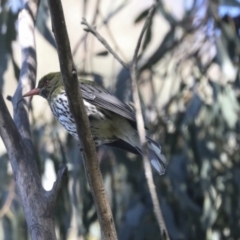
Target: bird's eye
(46,82)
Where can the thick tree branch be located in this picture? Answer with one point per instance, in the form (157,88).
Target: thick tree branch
(37,204)
(141,129)
(26,23)
(83,127)
(37,208)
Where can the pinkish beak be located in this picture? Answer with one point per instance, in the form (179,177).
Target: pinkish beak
(33,92)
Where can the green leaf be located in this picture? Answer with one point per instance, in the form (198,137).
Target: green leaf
(102,54)
(229,106)
(141,16)
(230,3)
(148,37)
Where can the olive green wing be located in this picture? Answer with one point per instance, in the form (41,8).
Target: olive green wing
(100,97)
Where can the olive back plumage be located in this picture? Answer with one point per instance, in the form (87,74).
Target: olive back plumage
(112,121)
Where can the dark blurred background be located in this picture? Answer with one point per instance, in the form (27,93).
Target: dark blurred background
(190,91)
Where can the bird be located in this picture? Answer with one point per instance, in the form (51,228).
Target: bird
(112,121)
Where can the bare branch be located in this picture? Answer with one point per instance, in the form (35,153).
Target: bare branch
(118,49)
(141,129)
(28,181)
(145,26)
(83,127)
(8,202)
(104,22)
(57,186)
(83,38)
(103,41)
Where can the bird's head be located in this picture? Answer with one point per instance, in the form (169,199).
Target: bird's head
(47,85)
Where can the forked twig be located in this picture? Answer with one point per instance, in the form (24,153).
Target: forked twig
(103,41)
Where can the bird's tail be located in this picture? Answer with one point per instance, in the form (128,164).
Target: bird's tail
(131,143)
(156,157)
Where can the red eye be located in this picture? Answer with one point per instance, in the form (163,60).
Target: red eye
(46,82)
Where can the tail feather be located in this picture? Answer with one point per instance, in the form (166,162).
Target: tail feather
(157,159)
(131,143)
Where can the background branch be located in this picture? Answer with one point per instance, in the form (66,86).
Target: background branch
(141,129)
(93,30)
(84,37)
(83,127)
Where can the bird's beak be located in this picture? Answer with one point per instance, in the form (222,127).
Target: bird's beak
(33,92)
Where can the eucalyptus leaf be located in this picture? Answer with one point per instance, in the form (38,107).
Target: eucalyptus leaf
(229,106)
(230,3)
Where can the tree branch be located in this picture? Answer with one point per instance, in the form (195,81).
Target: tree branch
(84,37)
(141,129)
(77,108)
(103,41)
(17,138)
(26,23)
(57,186)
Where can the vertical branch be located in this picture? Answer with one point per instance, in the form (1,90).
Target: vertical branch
(27,78)
(77,108)
(141,129)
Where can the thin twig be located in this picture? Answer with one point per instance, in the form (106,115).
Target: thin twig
(57,186)
(8,202)
(141,129)
(103,41)
(105,21)
(84,37)
(118,49)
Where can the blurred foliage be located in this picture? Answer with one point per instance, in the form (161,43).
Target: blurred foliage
(7,35)
(198,127)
